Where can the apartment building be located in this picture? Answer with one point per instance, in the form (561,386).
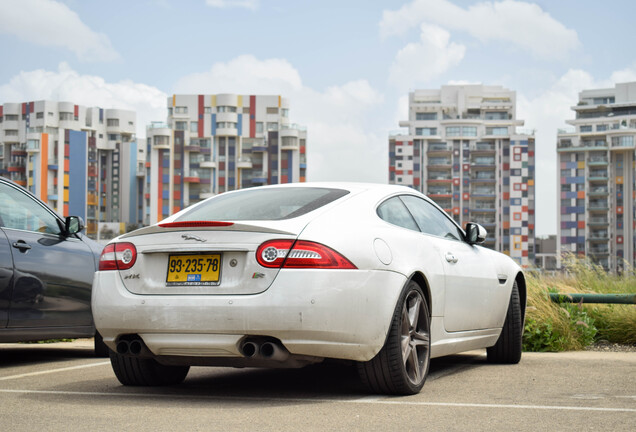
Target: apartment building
(596,161)
(211,144)
(82,161)
(462,149)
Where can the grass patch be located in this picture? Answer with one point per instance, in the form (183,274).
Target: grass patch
(561,327)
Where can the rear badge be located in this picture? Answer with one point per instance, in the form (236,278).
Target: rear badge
(258,275)
(192,237)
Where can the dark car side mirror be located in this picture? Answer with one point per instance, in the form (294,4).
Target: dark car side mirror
(73,225)
(475,233)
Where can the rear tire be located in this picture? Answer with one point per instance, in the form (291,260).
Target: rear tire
(135,371)
(402,364)
(507,350)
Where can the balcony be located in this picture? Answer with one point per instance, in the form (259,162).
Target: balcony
(599,250)
(244,163)
(597,161)
(598,237)
(440,148)
(259,178)
(598,176)
(207,164)
(439,163)
(598,206)
(482,147)
(599,191)
(598,221)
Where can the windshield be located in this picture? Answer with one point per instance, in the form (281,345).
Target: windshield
(263,204)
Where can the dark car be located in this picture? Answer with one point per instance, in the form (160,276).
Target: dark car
(46,271)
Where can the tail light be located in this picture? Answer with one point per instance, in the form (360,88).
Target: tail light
(195,224)
(300,254)
(118,256)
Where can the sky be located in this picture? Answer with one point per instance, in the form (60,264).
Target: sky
(346,66)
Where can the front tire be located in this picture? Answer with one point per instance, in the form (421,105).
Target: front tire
(135,371)
(507,350)
(402,364)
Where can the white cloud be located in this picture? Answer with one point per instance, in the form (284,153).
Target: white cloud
(242,75)
(50,23)
(523,24)
(224,4)
(65,84)
(421,61)
(345,142)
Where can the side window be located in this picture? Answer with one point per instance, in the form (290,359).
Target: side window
(394,212)
(430,219)
(19,211)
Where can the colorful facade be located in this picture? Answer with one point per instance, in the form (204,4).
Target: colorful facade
(597,176)
(217,143)
(82,161)
(463,151)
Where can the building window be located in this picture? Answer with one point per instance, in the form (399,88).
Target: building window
(601,128)
(259,127)
(426,116)
(586,128)
(469,131)
(425,131)
(284,112)
(10,132)
(453,131)
(272,110)
(272,126)
(623,141)
(181,110)
(114,137)
(112,122)
(225,108)
(207,110)
(39,115)
(65,116)
(180,125)
(225,125)
(194,126)
(50,114)
(496,131)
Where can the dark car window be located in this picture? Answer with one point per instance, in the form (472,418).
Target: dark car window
(395,212)
(19,211)
(430,219)
(263,204)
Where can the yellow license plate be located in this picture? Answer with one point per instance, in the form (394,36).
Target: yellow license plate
(199,269)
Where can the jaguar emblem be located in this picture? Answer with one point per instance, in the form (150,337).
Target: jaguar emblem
(192,237)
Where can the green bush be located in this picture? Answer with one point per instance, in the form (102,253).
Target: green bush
(565,326)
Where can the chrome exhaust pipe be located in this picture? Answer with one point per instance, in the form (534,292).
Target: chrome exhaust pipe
(272,351)
(122,347)
(249,349)
(135,347)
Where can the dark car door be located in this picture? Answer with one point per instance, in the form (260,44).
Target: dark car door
(52,272)
(6,275)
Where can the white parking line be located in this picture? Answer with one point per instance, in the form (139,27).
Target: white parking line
(365,400)
(53,371)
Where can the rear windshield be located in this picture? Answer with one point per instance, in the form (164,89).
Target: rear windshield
(263,204)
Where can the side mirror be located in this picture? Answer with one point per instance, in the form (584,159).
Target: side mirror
(73,225)
(475,233)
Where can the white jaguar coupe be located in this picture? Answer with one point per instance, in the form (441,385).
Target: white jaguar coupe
(290,275)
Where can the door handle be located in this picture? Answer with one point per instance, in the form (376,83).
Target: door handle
(21,244)
(451,258)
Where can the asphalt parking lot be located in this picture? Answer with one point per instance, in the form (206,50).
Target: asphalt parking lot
(62,387)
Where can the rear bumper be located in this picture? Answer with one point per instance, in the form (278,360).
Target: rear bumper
(341,314)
